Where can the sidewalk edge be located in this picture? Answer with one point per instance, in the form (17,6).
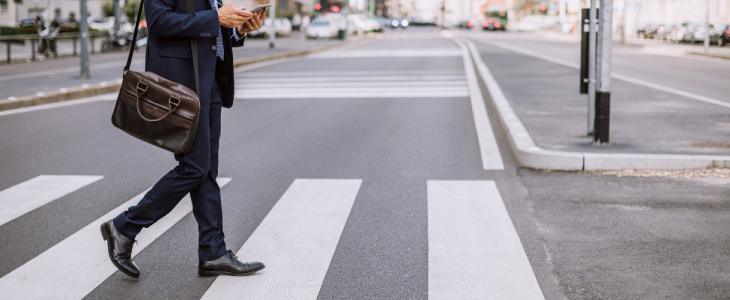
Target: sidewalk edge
(531,156)
(112,87)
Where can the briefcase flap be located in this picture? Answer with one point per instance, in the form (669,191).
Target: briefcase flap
(155,89)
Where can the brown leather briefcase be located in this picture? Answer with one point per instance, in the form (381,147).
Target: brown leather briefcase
(156,110)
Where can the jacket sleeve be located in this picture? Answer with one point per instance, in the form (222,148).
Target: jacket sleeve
(163,21)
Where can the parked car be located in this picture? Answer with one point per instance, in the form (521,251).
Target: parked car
(465,25)
(720,35)
(283,27)
(296,22)
(322,29)
(102,24)
(261,32)
(27,22)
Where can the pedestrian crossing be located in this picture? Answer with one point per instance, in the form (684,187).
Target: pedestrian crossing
(372,84)
(27,196)
(473,249)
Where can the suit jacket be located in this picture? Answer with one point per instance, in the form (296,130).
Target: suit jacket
(169,55)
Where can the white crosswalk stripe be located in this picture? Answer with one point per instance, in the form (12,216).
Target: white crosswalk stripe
(34,193)
(296,241)
(368,84)
(473,249)
(75,266)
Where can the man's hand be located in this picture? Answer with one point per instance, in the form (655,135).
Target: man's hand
(254,23)
(233,16)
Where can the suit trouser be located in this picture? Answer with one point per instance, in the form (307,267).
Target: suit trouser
(195,174)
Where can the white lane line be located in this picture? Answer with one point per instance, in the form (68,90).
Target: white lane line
(351,73)
(614,75)
(65,70)
(473,249)
(295,241)
(357,90)
(75,266)
(394,53)
(355,78)
(491,159)
(34,193)
(104,97)
(350,78)
(374,84)
(243,94)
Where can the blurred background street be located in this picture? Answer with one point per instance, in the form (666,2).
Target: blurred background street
(391,150)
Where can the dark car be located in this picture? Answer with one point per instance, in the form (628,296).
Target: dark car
(720,35)
(496,20)
(27,22)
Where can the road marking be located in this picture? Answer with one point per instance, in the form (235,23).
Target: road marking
(473,249)
(351,73)
(349,78)
(66,70)
(613,75)
(372,84)
(34,193)
(105,97)
(296,241)
(491,159)
(393,53)
(75,266)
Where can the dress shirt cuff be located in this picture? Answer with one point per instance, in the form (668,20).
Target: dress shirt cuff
(236,36)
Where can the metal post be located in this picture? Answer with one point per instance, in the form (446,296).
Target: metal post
(8,44)
(91,43)
(74,42)
(84,40)
(591,66)
(623,23)
(707,27)
(115,3)
(561,12)
(272,29)
(32,49)
(603,73)
(371,7)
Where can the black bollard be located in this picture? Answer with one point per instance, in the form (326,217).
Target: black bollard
(603,114)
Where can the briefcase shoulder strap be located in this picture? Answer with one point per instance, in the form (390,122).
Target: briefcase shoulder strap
(193,45)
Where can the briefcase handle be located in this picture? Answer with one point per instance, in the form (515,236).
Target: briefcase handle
(169,102)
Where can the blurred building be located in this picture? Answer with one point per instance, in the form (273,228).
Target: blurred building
(11,13)
(675,11)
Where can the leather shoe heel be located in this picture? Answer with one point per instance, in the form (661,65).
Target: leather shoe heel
(120,249)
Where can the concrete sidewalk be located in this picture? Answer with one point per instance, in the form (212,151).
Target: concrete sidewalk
(545,117)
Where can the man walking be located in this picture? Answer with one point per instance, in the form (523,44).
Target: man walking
(217,28)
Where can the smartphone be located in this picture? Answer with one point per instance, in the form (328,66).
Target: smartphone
(259,8)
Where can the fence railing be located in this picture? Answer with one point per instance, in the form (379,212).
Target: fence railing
(33,38)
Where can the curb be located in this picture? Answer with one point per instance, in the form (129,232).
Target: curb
(531,156)
(112,87)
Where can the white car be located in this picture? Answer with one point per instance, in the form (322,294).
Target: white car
(283,27)
(322,29)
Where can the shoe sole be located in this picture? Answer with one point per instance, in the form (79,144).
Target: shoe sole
(105,235)
(216,273)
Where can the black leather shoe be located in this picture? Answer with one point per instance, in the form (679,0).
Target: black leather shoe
(228,264)
(120,249)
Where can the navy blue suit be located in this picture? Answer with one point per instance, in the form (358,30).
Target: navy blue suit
(169,55)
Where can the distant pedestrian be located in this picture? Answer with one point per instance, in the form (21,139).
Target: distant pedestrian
(170,28)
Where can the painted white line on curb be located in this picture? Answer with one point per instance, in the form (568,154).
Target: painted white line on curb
(34,193)
(614,75)
(296,241)
(77,265)
(491,159)
(474,251)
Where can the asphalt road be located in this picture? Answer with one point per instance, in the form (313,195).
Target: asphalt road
(24,79)
(584,235)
